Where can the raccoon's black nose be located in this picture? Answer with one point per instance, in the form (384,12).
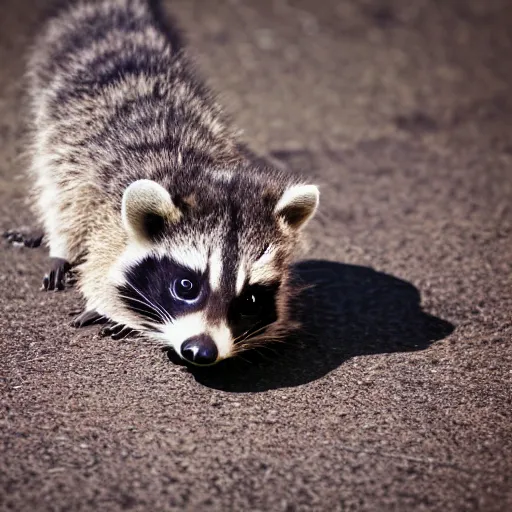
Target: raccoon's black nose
(199,350)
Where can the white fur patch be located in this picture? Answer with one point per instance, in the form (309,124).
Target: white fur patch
(240,277)
(215,269)
(266,257)
(263,270)
(188,257)
(263,274)
(223,339)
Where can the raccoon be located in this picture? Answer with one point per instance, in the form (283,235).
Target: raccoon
(142,187)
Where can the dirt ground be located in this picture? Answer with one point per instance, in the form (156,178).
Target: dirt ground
(398,396)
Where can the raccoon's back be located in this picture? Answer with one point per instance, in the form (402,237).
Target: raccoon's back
(116,98)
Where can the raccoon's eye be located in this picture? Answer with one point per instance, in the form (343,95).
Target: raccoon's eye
(249,305)
(185,288)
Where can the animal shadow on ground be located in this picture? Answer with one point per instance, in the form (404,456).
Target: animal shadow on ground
(346,310)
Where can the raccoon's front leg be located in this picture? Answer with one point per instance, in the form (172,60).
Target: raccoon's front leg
(88,317)
(20,238)
(59,267)
(56,277)
(58,227)
(116,331)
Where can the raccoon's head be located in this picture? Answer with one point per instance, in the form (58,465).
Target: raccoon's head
(205,270)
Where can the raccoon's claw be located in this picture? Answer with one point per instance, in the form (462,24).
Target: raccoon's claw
(116,331)
(88,318)
(56,278)
(19,238)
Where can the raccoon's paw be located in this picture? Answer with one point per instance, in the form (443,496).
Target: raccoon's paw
(55,280)
(88,318)
(23,238)
(116,331)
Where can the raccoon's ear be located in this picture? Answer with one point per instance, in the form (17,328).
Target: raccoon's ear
(145,208)
(297,205)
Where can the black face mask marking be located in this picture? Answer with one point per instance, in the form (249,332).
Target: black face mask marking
(253,309)
(161,290)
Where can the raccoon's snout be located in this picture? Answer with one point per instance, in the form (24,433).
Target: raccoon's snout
(199,350)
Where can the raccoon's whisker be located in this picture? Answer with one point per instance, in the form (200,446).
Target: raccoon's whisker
(147,301)
(258,331)
(249,343)
(258,339)
(256,348)
(262,341)
(241,336)
(151,315)
(259,334)
(155,315)
(164,313)
(248,334)
(167,315)
(143,303)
